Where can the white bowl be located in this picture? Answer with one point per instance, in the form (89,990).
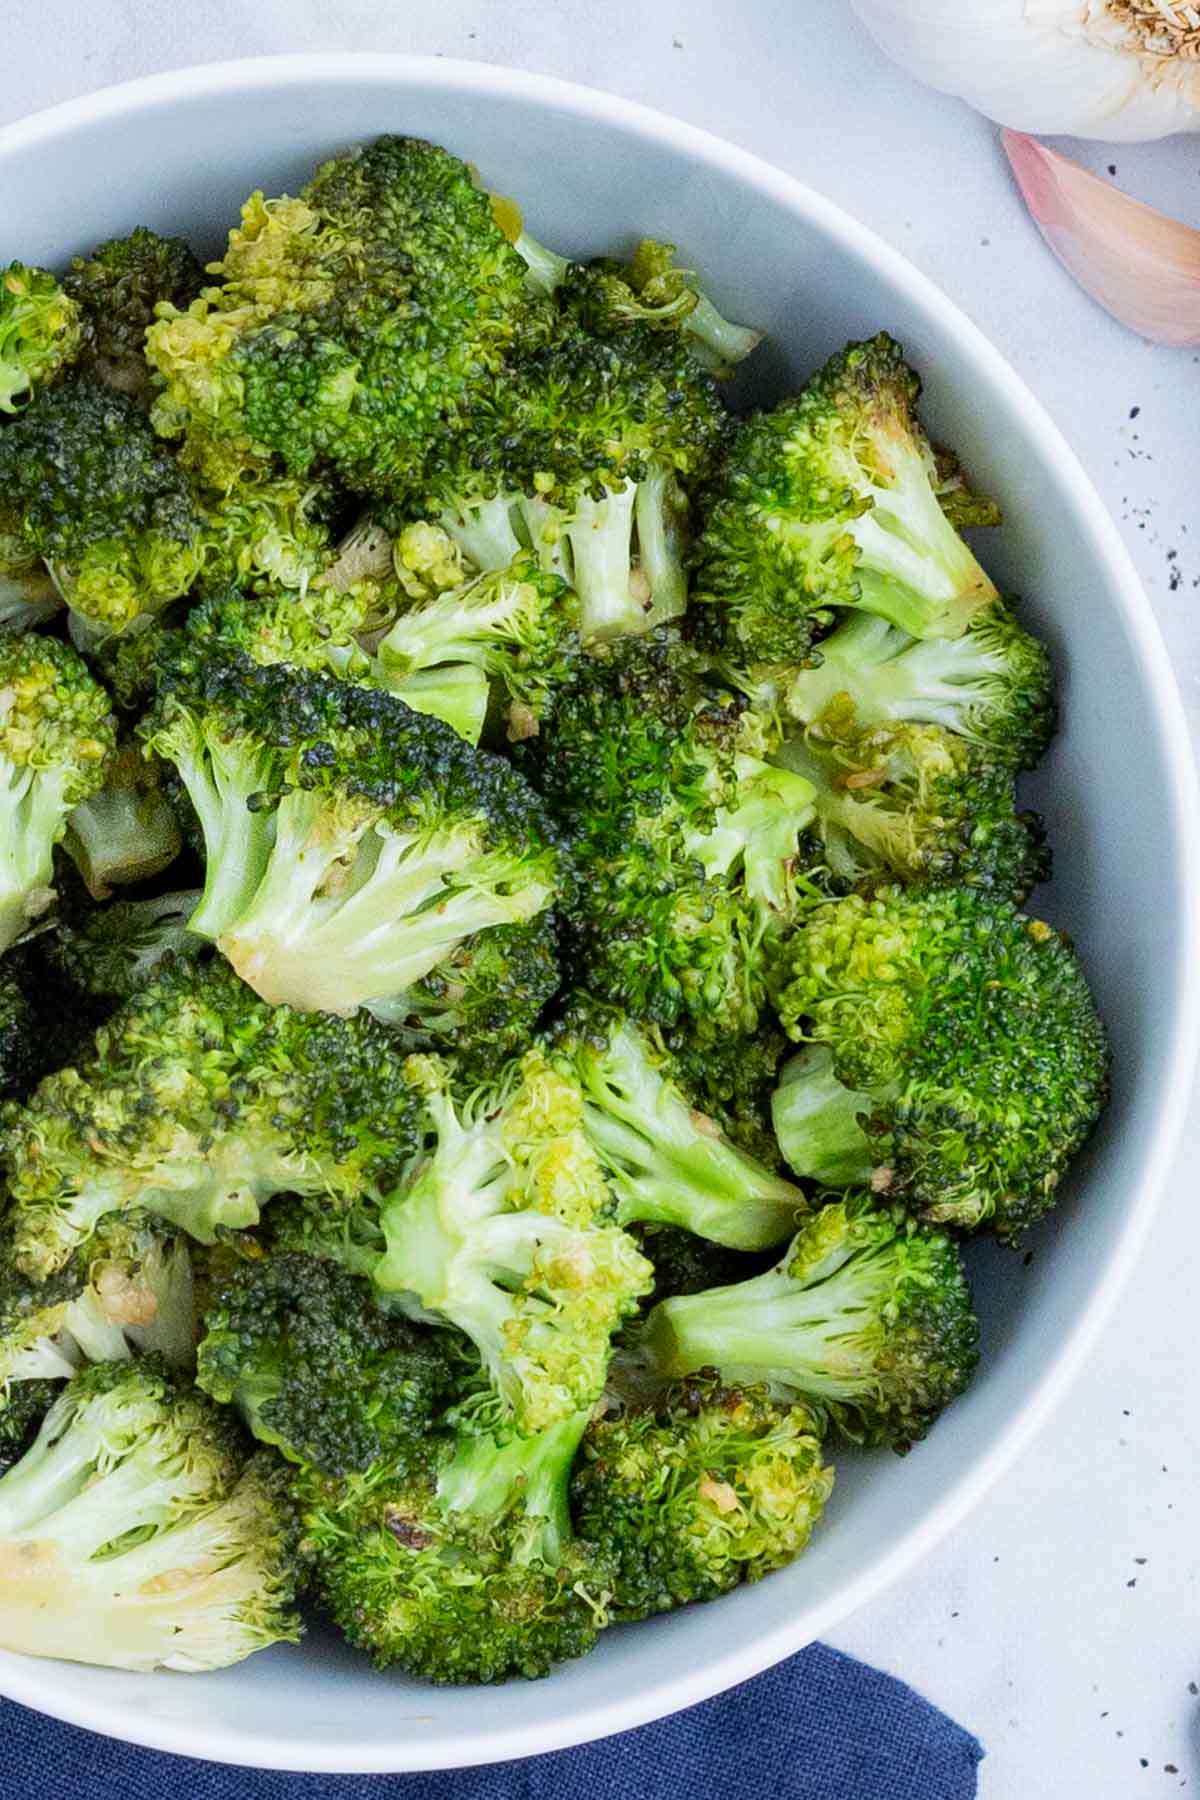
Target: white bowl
(179,152)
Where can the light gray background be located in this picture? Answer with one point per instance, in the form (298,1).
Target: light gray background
(1061,1624)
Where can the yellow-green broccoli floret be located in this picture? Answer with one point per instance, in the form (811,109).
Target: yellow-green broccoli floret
(40,333)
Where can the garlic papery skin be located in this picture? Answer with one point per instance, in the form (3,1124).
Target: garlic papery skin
(1121,70)
(1141,266)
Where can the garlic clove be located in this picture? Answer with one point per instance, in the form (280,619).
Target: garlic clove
(1078,67)
(1140,265)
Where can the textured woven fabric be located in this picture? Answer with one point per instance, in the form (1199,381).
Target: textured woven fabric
(819,1727)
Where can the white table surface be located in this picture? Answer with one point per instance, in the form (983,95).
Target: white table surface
(1061,1622)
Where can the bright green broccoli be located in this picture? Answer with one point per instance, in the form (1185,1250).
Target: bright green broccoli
(835,498)
(198,1103)
(964,1064)
(101,500)
(314,1365)
(455,1558)
(269,532)
(914,803)
(352,325)
(117,287)
(686,836)
(667,1162)
(505,1230)
(40,333)
(992,685)
(57,734)
(698,1492)
(126,830)
(867,1318)
(109,952)
(133,1534)
(352,844)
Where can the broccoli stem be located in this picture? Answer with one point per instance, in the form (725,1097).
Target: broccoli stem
(488,1481)
(456,693)
(27,599)
(483,531)
(344,917)
(915,569)
(601,536)
(760,834)
(544,527)
(222,784)
(121,835)
(816,1121)
(32,814)
(890,676)
(660,515)
(547,271)
(720,345)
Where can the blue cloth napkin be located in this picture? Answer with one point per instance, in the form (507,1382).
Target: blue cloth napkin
(819,1727)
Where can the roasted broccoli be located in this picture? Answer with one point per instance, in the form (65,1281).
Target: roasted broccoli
(116,287)
(992,685)
(134,1534)
(505,1230)
(28,596)
(455,1558)
(835,498)
(99,497)
(126,830)
(867,1318)
(705,1488)
(198,1103)
(914,803)
(314,1365)
(686,837)
(57,734)
(40,333)
(667,1162)
(964,1064)
(352,844)
(109,952)
(272,532)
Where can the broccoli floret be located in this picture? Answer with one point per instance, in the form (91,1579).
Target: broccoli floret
(354,324)
(99,497)
(117,287)
(271,532)
(835,498)
(504,1231)
(686,1264)
(455,1557)
(686,837)
(28,596)
(109,952)
(693,1495)
(914,803)
(56,735)
(133,1534)
(993,685)
(515,626)
(867,1318)
(128,1288)
(126,830)
(40,333)
(731,1079)
(19,1060)
(962,1039)
(314,1365)
(650,290)
(198,1103)
(666,1161)
(24,1411)
(352,844)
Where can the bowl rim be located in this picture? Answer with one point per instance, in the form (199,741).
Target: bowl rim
(35,1684)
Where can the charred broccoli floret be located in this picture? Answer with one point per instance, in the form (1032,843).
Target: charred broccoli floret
(835,498)
(133,1534)
(993,685)
(505,1230)
(954,1056)
(40,333)
(101,500)
(692,1495)
(455,1558)
(57,734)
(352,844)
(314,1365)
(867,1319)
(117,287)
(197,1104)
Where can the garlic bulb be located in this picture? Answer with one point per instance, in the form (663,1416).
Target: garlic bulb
(1115,69)
(1140,265)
